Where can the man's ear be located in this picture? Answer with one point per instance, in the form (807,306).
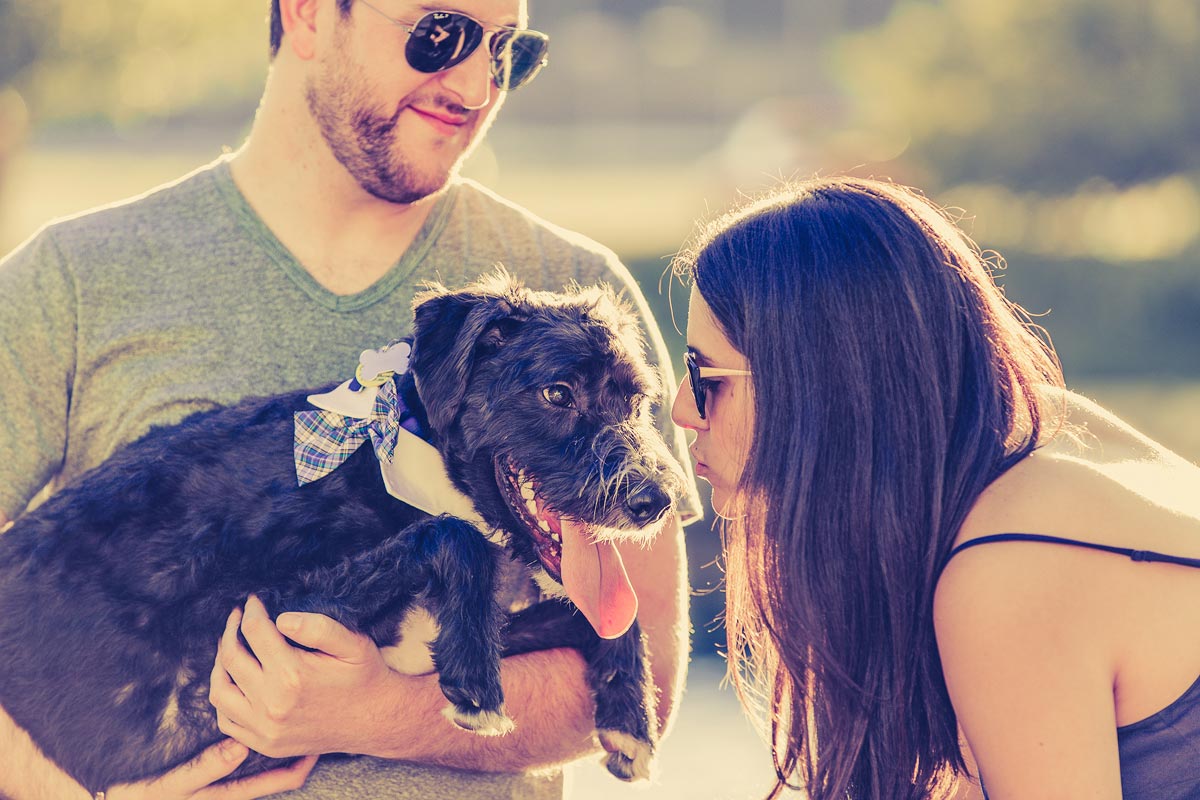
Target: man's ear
(451,330)
(299,20)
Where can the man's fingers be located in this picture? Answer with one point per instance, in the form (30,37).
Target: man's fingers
(225,695)
(235,730)
(263,784)
(194,780)
(321,633)
(210,766)
(261,634)
(221,688)
(239,663)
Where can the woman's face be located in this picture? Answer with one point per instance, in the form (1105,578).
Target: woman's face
(723,437)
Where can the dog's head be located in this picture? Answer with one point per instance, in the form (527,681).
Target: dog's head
(542,406)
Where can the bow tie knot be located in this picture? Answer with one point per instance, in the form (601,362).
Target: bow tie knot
(325,438)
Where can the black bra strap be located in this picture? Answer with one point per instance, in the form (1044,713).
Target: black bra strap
(1136,555)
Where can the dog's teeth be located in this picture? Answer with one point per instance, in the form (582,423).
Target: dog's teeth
(555,537)
(527,492)
(531,507)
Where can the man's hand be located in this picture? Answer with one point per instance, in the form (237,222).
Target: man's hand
(26,774)
(283,701)
(193,780)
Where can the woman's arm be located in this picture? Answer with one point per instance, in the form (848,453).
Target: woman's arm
(1030,670)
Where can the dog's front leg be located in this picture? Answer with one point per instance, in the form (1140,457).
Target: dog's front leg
(444,565)
(625,702)
(616,674)
(460,568)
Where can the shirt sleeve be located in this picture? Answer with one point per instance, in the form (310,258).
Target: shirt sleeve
(37,357)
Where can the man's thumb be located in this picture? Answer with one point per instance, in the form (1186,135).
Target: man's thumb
(319,632)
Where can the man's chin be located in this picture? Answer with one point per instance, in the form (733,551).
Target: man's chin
(409,191)
(406,196)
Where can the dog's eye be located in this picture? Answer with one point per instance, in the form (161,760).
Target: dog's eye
(559,394)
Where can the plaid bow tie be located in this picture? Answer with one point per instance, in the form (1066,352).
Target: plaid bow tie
(325,439)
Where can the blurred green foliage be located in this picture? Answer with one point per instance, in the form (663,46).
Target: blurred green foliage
(1068,132)
(125,61)
(21,37)
(1031,93)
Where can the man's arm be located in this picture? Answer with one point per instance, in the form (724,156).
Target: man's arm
(286,701)
(659,574)
(26,774)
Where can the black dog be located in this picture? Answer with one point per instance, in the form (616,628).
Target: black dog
(113,593)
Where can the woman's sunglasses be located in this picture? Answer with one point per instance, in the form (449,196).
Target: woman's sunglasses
(443,39)
(698,375)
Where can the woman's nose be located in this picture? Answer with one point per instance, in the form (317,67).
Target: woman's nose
(683,408)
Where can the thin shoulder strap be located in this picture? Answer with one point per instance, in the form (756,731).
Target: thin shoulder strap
(1136,555)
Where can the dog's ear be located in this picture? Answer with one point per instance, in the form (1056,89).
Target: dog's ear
(450,331)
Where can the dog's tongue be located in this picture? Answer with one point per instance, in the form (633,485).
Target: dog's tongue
(595,579)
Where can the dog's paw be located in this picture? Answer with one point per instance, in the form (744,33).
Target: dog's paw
(628,757)
(476,720)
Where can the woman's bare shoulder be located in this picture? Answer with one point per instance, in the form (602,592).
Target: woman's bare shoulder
(1098,480)
(1093,432)
(1107,485)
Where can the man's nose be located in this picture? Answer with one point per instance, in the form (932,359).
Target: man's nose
(471,81)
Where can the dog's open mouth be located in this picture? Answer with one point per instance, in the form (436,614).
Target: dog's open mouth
(543,524)
(573,553)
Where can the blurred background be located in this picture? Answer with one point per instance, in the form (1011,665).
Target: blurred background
(1064,133)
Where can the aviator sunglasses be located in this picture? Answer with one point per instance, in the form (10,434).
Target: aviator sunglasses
(443,39)
(698,375)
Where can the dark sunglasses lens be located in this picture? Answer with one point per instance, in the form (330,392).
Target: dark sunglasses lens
(517,56)
(698,393)
(442,39)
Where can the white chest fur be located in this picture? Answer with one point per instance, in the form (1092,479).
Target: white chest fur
(412,655)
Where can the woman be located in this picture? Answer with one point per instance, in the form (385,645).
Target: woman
(866,405)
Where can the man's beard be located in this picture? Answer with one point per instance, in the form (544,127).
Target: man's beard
(365,142)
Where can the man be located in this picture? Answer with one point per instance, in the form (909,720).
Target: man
(271,270)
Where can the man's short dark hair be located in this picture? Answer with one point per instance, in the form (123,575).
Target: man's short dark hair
(277,22)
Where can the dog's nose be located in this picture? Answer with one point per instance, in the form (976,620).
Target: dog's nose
(647,503)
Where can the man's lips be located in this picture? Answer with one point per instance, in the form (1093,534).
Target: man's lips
(441,118)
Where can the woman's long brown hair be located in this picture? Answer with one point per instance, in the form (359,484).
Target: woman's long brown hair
(892,383)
